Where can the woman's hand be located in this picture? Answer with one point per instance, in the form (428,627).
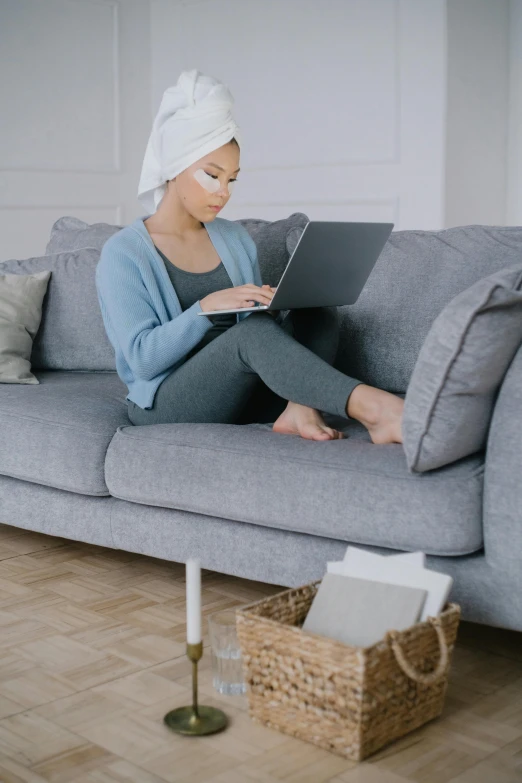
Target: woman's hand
(275,313)
(237,297)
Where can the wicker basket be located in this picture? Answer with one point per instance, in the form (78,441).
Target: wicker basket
(349,700)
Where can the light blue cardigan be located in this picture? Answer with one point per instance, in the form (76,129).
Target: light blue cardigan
(141,311)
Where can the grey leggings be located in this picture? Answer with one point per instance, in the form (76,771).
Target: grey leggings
(249,372)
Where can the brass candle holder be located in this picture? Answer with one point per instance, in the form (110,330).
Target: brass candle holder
(195,720)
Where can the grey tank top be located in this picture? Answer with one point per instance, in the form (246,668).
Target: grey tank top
(191,286)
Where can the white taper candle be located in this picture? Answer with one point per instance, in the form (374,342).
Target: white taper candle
(193,574)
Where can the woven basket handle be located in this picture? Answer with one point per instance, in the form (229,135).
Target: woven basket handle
(407,668)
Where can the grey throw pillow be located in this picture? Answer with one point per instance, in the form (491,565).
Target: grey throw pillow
(21,300)
(451,395)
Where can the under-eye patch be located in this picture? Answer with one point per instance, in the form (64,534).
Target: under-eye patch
(209,183)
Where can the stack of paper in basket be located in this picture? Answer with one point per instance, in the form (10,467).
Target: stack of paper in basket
(365,595)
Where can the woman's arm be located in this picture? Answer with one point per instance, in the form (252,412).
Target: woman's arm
(149,347)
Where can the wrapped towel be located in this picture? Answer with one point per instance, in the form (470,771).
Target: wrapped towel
(194,119)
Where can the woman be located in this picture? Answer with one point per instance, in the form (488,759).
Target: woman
(158,273)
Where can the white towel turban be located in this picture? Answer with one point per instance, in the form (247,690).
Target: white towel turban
(194,119)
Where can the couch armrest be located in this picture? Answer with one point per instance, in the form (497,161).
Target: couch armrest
(502,508)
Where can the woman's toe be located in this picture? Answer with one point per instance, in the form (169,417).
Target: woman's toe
(335,433)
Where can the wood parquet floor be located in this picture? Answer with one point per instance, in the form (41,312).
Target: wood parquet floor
(92,656)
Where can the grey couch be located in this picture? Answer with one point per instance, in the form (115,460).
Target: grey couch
(244,499)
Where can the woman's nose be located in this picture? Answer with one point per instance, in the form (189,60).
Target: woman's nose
(224,190)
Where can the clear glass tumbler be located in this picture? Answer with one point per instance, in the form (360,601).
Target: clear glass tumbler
(227,672)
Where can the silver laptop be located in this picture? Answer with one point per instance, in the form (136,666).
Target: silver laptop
(329,266)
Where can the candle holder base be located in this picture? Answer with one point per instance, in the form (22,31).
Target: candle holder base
(185,720)
(194,720)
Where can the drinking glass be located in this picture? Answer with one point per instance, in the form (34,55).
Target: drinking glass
(227,672)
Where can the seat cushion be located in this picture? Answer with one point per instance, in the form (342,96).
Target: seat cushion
(348,489)
(57,432)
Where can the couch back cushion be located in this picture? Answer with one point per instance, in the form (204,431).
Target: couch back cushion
(70,233)
(416,276)
(275,239)
(71,335)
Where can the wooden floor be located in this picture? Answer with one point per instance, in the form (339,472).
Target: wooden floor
(92,656)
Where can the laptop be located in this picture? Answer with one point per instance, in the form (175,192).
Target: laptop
(329,266)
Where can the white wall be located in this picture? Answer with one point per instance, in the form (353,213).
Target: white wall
(401,110)
(75,98)
(514,155)
(477,115)
(341,102)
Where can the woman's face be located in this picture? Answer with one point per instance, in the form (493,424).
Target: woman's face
(208,182)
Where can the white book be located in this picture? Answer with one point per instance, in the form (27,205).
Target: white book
(391,571)
(359,612)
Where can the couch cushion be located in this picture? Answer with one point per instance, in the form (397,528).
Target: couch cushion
(57,432)
(71,335)
(460,368)
(275,239)
(348,489)
(416,275)
(71,233)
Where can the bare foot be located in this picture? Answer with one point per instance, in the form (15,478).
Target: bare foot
(307,422)
(379,411)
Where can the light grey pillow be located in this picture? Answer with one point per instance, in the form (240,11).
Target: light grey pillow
(451,395)
(21,299)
